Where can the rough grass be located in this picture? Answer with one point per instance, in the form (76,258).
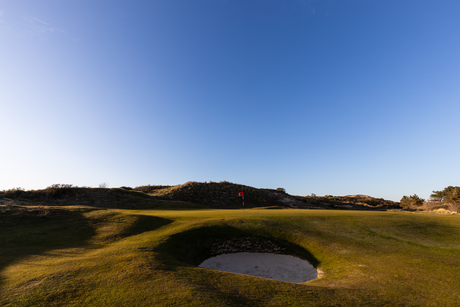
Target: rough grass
(76,256)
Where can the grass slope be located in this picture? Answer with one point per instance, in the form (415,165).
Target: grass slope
(89,256)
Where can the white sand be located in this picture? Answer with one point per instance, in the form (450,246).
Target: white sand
(265,265)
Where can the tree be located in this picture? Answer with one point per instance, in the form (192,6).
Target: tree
(411,202)
(450,195)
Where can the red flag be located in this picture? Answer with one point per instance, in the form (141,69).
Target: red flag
(240,194)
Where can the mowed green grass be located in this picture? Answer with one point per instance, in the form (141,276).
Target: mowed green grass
(91,257)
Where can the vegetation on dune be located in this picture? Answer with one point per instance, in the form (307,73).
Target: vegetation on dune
(216,194)
(69,195)
(195,195)
(225,195)
(447,200)
(354,202)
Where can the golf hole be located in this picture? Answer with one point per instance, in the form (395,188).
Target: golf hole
(266,265)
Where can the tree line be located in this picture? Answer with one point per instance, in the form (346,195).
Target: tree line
(449,199)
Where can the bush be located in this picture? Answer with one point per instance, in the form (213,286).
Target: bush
(411,202)
(57,190)
(15,192)
(150,188)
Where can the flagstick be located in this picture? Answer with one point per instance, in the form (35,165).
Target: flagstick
(242,195)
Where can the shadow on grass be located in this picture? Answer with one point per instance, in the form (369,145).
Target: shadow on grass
(194,246)
(34,231)
(144,223)
(27,231)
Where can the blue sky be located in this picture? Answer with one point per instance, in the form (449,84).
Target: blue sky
(324,97)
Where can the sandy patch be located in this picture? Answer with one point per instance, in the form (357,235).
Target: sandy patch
(266,265)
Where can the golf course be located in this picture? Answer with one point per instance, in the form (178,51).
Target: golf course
(220,153)
(87,255)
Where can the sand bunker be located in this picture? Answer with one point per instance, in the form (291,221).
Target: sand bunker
(266,265)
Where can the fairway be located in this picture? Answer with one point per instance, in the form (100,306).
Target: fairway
(85,256)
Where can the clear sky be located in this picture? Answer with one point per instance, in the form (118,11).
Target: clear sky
(325,97)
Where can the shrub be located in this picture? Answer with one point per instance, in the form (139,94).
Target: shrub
(150,188)
(411,202)
(15,192)
(56,190)
(60,186)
